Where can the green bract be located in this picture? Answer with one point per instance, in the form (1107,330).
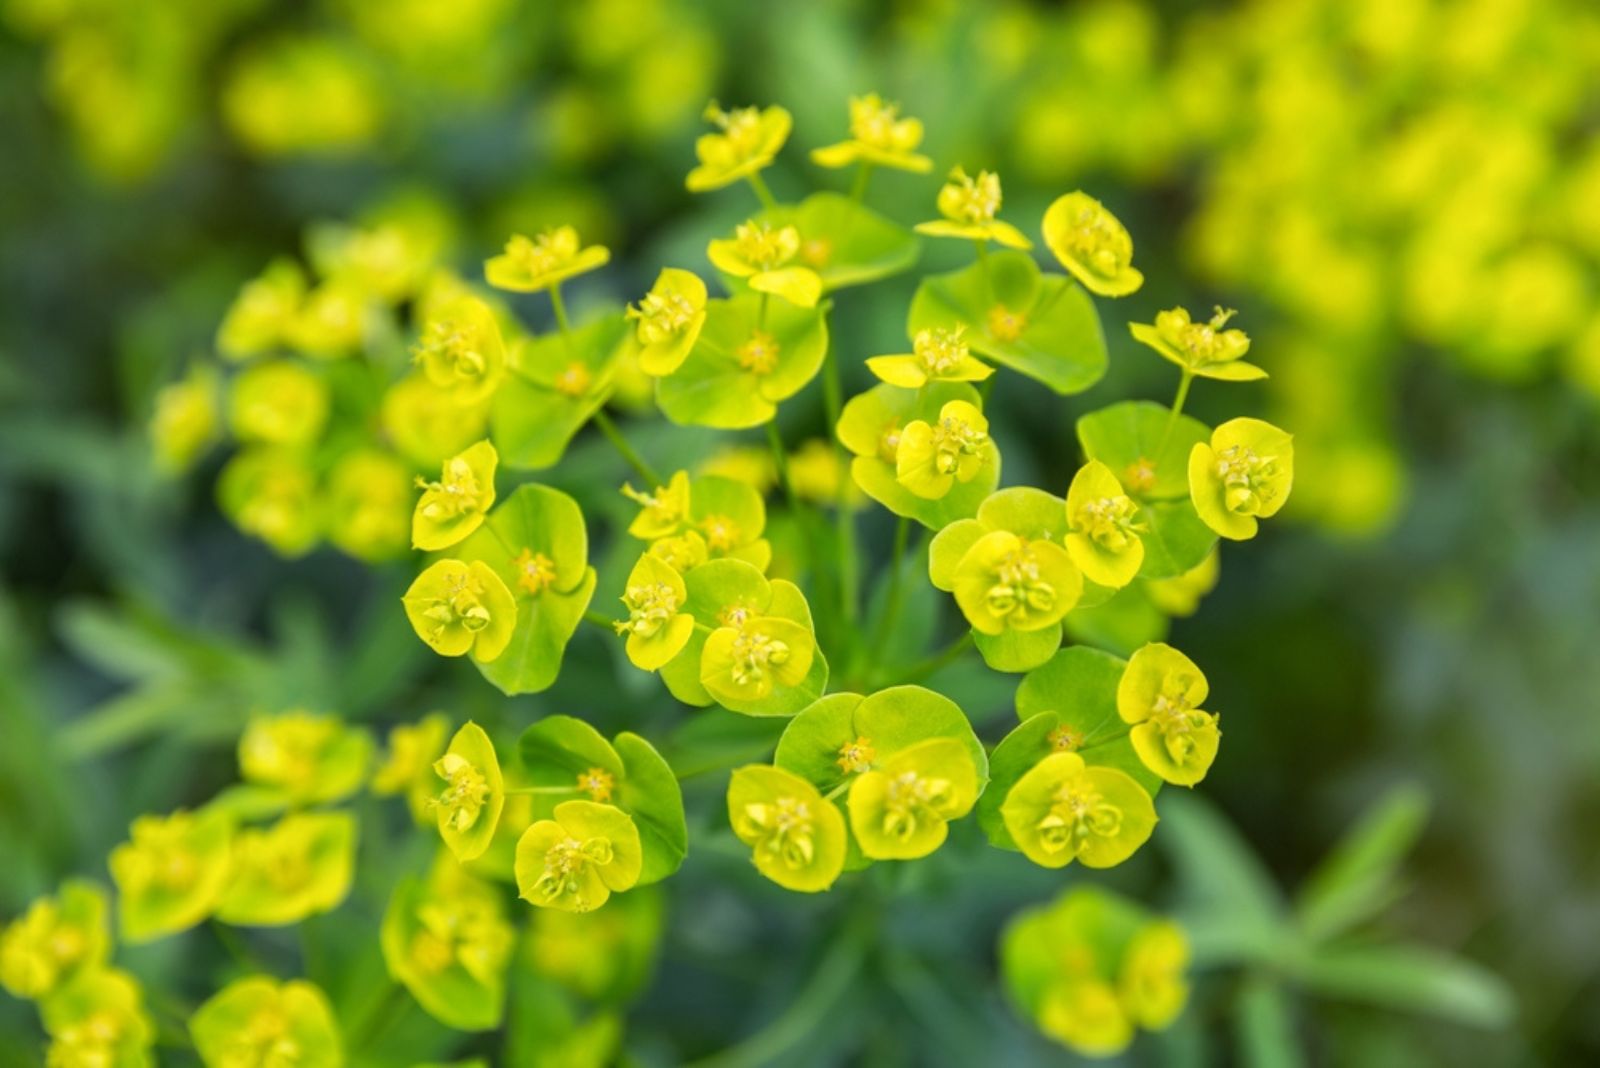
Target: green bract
(458,608)
(468,808)
(798,838)
(307,758)
(577,859)
(300,866)
(745,363)
(1042,326)
(171,872)
(258,1022)
(935,455)
(668,320)
(535,542)
(271,493)
(759,255)
(938,355)
(278,403)
(557,382)
(533,264)
(461,351)
(1160,695)
(1104,525)
(1062,810)
(687,521)
(447,941)
(845,243)
(1203,349)
(56,939)
(454,506)
(656,628)
(872,426)
(262,316)
(627,772)
(1092,244)
(407,768)
(369,504)
(98,1019)
(1243,474)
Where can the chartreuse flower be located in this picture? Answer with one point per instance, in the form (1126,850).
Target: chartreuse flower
(461,351)
(879,137)
(532,265)
(311,758)
(458,608)
(748,360)
(468,807)
(171,872)
(271,494)
(750,656)
(760,254)
(558,382)
(1104,525)
(1092,244)
(601,956)
(1006,580)
(407,767)
(258,1022)
(873,426)
(184,421)
(369,505)
(818,477)
(843,241)
(332,322)
(656,626)
(1242,475)
(300,866)
(1064,810)
(1145,448)
(969,206)
(938,354)
(667,321)
(447,940)
(934,455)
(707,517)
(455,506)
(56,939)
(1152,983)
(576,860)
(426,424)
(749,140)
(1207,349)
(535,540)
(1160,695)
(98,1020)
(262,316)
(798,838)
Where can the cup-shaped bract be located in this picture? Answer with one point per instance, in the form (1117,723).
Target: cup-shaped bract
(1242,475)
(369,504)
(1091,243)
(271,494)
(1006,582)
(760,254)
(308,757)
(1104,524)
(1207,349)
(798,838)
(461,351)
(455,506)
(1064,810)
(533,264)
(1160,696)
(98,1018)
(59,937)
(901,808)
(407,767)
(577,859)
(743,663)
(751,356)
(426,424)
(301,866)
(260,1021)
(457,607)
(935,455)
(668,319)
(171,873)
(879,137)
(467,808)
(748,141)
(278,403)
(448,941)
(262,316)
(657,628)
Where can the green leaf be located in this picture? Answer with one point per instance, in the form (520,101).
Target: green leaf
(1052,332)
(948,547)
(1080,685)
(1412,979)
(714,389)
(1122,624)
(1230,906)
(1018,650)
(1358,878)
(849,244)
(531,421)
(1027,512)
(1175,541)
(1127,436)
(891,720)
(1264,1023)
(649,791)
(883,408)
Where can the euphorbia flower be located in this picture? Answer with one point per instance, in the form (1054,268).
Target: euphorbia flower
(408,767)
(262,316)
(57,938)
(933,457)
(938,354)
(448,941)
(749,140)
(797,837)
(759,252)
(901,808)
(1064,810)
(1104,523)
(668,320)
(657,627)
(531,265)
(1160,695)
(1207,349)
(171,872)
(461,351)
(746,659)
(1243,474)
(257,1022)
(1092,244)
(468,807)
(300,866)
(458,608)
(969,206)
(309,757)
(578,859)
(879,136)
(1006,582)
(455,506)
(98,1019)
(1152,982)
(280,402)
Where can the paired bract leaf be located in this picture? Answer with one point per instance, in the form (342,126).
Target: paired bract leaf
(745,363)
(300,866)
(447,940)
(1133,440)
(256,1013)
(798,838)
(557,382)
(171,873)
(845,242)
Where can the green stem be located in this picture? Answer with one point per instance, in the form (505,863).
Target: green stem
(849,569)
(1177,410)
(780,459)
(379,1018)
(858,189)
(952,652)
(560,307)
(237,948)
(761,314)
(609,429)
(843,785)
(591,616)
(763,194)
(891,603)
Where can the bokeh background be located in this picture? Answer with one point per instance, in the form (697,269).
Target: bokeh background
(1401,197)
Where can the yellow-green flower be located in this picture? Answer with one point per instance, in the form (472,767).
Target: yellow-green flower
(1160,695)
(1087,1016)
(458,608)
(1209,349)
(56,939)
(798,838)
(278,403)
(1064,810)
(1244,474)
(332,322)
(931,458)
(969,206)
(901,808)
(578,859)
(468,808)
(448,941)
(171,872)
(668,320)
(300,866)
(1006,582)
(271,494)
(879,136)
(662,513)
(749,140)
(461,351)
(312,758)
(1092,244)
(657,627)
(407,768)
(818,476)
(261,318)
(98,1021)
(455,506)
(1104,527)
(758,252)
(426,424)
(257,1022)
(369,505)
(534,264)
(938,354)
(745,659)
(185,419)
(1152,982)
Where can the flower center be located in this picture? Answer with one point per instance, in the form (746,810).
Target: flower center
(573,379)
(971,200)
(1140,475)
(759,355)
(782,829)
(875,123)
(447,344)
(543,254)
(1065,739)
(1005,324)
(650,605)
(535,571)
(754,653)
(889,443)
(1018,589)
(661,316)
(465,793)
(597,783)
(763,247)
(1208,342)
(1094,237)
(564,864)
(455,493)
(721,532)
(741,128)
(1178,720)
(856,757)
(1076,813)
(940,350)
(914,801)
(1108,520)
(264,1042)
(953,439)
(460,606)
(1246,479)
(817,251)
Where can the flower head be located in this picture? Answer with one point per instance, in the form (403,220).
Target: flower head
(939,354)
(448,941)
(1152,982)
(970,206)
(760,252)
(300,866)
(1064,810)
(271,494)
(663,512)
(578,859)
(797,838)
(455,506)
(98,1019)
(932,457)
(310,757)
(171,872)
(261,318)
(458,607)
(369,504)
(257,1022)
(184,421)
(667,321)
(408,767)
(1006,582)
(748,659)
(657,627)
(879,136)
(1242,475)
(533,264)
(57,938)
(1160,695)
(747,141)
(468,806)
(461,351)
(1092,244)
(1208,349)
(1104,527)
(901,809)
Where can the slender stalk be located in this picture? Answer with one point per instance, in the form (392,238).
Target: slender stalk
(858,189)
(591,616)
(560,307)
(761,313)
(759,184)
(849,568)
(893,597)
(780,459)
(614,435)
(379,1018)
(942,659)
(1177,410)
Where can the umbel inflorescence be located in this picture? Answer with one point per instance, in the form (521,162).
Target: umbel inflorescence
(1044,580)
